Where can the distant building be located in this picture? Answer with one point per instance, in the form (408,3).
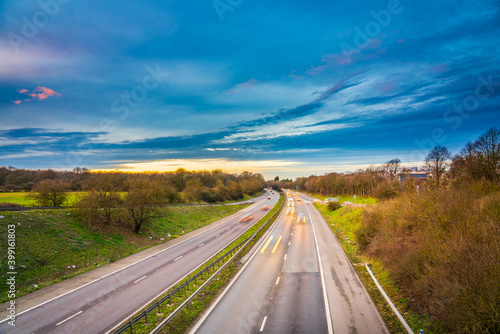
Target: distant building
(414,173)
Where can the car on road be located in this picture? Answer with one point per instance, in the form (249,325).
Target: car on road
(246,218)
(301,218)
(269,197)
(265,207)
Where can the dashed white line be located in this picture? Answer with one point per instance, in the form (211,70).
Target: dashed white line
(289,243)
(141,279)
(217,235)
(178,258)
(291,234)
(263,324)
(285,257)
(201,244)
(74,315)
(277,281)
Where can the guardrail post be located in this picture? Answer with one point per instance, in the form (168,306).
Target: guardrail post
(146,312)
(131,330)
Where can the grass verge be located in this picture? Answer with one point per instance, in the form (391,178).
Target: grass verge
(342,199)
(54,245)
(343,223)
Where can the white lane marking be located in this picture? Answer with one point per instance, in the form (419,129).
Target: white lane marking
(289,243)
(74,315)
(140,279)
(235,278)
(228,228)
(285,257)
(323,284)
(201,244)
(178,258)
(263,324)
(217,235)
(277,281)
(291,234)
(226,219)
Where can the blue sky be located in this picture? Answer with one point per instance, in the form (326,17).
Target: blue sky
(279,87)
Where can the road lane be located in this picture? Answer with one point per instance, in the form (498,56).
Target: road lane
(275,292)
(351,307)
(99,306)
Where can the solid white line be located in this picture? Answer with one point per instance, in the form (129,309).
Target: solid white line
(74,315)
(177,258)
(256,251)
(285,257)
(140,279)
(277,281)
(201,245)
(263,324)
(229,218)
(323,284)
(256,204)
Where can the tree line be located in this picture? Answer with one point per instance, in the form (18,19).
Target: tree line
(478,160)
(107,197)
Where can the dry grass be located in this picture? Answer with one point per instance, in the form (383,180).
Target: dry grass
(443,247)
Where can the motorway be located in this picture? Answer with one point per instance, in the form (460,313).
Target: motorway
(297,280)
(100,305)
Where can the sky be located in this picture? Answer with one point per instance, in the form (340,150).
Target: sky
(286,88)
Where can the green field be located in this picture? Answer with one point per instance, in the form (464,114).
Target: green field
(344,222)
(50,243)
(23,199)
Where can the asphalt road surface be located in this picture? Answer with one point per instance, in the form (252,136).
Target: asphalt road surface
(298,280)
(97,307)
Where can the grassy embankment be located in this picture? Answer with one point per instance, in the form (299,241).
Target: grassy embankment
(50,243)
(342,199)
(344,222)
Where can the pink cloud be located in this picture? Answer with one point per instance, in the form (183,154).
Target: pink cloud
(39,93)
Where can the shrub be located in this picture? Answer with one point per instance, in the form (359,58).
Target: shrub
(10,205)
(332,206)
(442,247)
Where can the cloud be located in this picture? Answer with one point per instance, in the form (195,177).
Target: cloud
(241,87)
(39,93)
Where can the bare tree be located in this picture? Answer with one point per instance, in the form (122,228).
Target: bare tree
(142,202)
(100,200)
(487,148)
(50,193)
(392,167)
(438,161)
